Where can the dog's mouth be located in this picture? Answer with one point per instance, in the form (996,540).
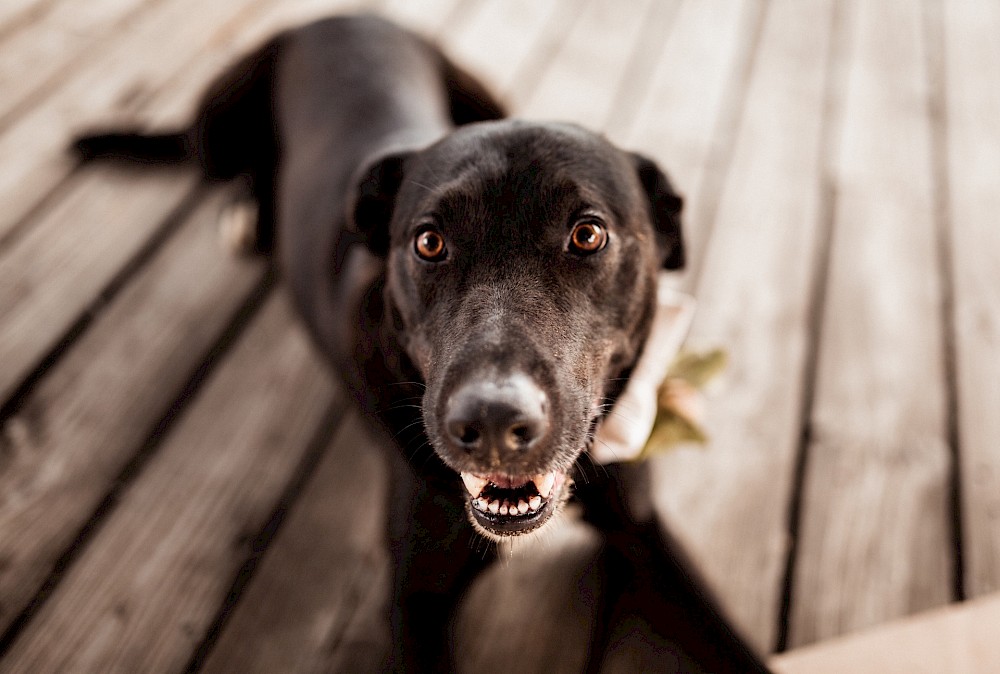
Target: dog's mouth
(504,505)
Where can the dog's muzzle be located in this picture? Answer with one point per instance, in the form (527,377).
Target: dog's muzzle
(498,425)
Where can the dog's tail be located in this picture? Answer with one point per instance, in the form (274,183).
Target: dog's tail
(159,148)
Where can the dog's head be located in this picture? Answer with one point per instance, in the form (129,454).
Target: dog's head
(520,279)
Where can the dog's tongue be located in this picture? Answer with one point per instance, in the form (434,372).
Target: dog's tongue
(476,483)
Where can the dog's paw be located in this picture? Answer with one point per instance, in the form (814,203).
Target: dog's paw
(238,221)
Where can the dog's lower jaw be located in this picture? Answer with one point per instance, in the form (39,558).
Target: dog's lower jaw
(496,517)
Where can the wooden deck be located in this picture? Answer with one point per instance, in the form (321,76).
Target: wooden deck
(182,488)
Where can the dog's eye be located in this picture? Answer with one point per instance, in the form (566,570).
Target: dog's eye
(429,245)
(587,237)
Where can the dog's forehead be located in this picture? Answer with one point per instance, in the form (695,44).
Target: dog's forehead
(520,160)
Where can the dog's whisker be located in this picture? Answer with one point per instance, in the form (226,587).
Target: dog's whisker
(406,383)
(412,454)
(428,188)
(610,449)
(616,413)
(404,406)
(406,428)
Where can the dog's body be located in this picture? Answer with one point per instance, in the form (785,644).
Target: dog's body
(501,273)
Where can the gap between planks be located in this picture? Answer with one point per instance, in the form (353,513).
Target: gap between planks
(69,452)
(183,524)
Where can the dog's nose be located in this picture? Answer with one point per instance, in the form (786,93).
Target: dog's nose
(494,418)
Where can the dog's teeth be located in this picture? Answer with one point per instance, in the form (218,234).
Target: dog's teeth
(494,507)
(544,483)
(535,502)
(504,508)
(522,507)
(480,504)
(474,483)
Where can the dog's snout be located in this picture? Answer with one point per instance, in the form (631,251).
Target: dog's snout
(495,420)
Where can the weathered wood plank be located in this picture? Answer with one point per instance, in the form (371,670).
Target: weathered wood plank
(431,17)
(51,48)
(54,272)
(684,118)
(145,589)
(972,111)
(508,43)
(875,540)
(17,14)
(32,151)
(162,43)
(102,216)
(83,422)
(581,83)
(958,639)
(330,553)
(729,502)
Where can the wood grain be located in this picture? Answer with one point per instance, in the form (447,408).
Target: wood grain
(33,153)
(875,540)
(328,556)
(102,215)
(589,67)
(971,110)
(509,43)
(430,18)
(76,431)
(56,271)
(687,112)
(17,14)
(150,582)
(55,45)
(729,501)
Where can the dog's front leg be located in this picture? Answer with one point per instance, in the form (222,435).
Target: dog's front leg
(437,554)
(646,574)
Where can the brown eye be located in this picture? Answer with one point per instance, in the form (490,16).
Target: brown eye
(429,245)
(587,237)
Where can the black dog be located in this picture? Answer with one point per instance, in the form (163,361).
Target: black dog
(500,271)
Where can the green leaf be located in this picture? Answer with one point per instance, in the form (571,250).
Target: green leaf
(698,368)
(669,430)
(672,428)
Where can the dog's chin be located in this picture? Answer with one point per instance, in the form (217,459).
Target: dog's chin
(501,506)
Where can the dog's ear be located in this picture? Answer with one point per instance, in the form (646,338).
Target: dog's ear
(374,200)
(665,207)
